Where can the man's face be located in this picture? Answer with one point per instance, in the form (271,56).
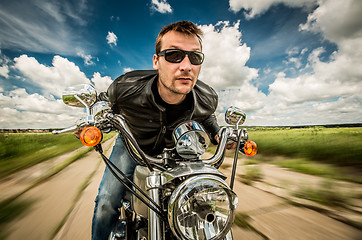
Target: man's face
(177,78)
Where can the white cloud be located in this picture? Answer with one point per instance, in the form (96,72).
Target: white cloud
(23,110)
(52,80)
(339,21)
(126,70)
(255,8)
(322,91)
(101,83)
(304,50)
(161,6)
(86,57)
(4,71)
(225,56)
(19,99)
(329,92)
(294,57)
(4,68)
(111,39)
(341,75)
(45,109)
(20,109)
(225,67)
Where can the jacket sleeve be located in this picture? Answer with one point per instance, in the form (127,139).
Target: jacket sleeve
(112,94)
(212,127)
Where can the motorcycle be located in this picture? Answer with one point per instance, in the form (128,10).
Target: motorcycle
(178,194)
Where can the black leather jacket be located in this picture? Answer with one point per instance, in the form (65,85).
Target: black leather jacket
(131,95)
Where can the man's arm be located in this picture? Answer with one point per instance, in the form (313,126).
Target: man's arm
(212,128)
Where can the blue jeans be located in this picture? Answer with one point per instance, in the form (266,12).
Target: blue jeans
(111,192)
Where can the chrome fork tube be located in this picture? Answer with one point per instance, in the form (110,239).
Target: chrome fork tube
(154,222)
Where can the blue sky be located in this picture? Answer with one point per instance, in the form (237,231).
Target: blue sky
(284,62)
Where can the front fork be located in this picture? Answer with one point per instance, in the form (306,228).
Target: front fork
(153,184)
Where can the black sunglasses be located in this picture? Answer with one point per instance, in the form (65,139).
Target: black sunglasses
(177,55)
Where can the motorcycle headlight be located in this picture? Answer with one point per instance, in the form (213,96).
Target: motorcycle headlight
(202,207)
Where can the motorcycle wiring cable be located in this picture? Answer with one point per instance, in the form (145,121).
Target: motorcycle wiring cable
(156,208)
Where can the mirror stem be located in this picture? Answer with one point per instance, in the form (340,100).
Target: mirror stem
(85,105)
(235,161)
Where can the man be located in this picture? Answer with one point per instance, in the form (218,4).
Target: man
(153,103)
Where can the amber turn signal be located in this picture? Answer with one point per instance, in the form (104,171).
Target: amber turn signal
(91,136)
(250,148)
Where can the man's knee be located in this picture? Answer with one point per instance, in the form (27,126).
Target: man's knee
(105,206)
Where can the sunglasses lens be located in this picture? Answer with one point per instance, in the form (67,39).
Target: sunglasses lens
(174,56)
(196,58)
(177,55)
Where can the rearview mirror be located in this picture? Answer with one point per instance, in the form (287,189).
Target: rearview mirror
(82,95)
(234,116)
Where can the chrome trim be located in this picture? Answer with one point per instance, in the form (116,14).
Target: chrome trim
(83,122)
(235,116)
(68,129)
(191,140)
(119,119)
(81,95)
(224,134)
(191,169)
(99,108)
(176,193)
(153,183)
(139,177)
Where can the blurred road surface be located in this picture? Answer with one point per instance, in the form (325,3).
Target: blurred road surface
(59,212)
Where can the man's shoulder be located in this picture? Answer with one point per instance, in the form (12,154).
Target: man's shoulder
(136,76)
(206,97)
(204,89)
(130,83)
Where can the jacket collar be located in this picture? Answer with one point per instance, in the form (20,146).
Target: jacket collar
(150,95)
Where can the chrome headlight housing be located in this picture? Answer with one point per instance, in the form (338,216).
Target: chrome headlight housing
(190,140)
(202,207)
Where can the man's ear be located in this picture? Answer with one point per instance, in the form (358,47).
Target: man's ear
(155,62)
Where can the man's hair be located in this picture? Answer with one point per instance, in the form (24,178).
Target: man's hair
(185,27)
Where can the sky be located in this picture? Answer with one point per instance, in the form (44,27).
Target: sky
(283,62)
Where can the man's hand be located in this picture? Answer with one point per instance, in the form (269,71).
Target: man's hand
(77,133)
(229,145)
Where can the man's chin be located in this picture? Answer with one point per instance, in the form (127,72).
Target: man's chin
(183,89)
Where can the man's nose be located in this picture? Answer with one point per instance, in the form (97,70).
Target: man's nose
(185,64)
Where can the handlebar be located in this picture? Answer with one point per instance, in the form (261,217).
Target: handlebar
(120,124)
(65,130)
(118,119)
(225,132)
(219,153)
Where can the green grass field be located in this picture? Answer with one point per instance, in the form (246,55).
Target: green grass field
(338,146)
(329,152)
(22,150)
